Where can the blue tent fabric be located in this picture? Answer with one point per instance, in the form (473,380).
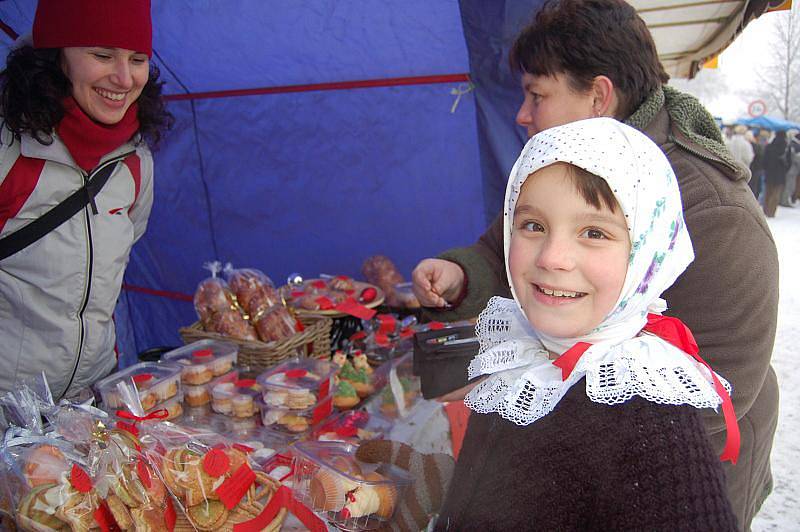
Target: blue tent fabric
(767,122)
(489,30)
(311,181)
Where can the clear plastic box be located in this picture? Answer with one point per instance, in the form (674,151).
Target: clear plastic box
(350,494)
(202,361)
(297,383)
(401,390)
(235,398)
(294,421)
(154,383)
(353,427)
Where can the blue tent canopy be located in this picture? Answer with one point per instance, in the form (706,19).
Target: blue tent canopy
(767,122)
(311,135)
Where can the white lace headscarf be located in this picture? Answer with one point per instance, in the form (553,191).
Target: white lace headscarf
(524,385)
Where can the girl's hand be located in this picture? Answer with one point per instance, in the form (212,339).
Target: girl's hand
(436,282)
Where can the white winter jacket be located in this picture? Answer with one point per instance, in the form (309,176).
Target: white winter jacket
(57,296)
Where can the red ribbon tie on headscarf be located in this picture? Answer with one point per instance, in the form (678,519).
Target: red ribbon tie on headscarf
(678,334)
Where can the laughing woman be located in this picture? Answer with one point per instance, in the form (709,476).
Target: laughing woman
(79,106)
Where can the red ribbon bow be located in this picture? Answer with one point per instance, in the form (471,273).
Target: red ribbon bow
(678,334)
(131,427)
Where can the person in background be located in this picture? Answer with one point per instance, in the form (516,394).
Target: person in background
(585,58)
(757,164)
(580,415)
(793,173)
(739,147)
(776,165)
(79,100)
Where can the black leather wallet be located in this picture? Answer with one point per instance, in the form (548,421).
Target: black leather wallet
(441,359)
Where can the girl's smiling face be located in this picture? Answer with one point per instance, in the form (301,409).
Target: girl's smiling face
(105,81)
(567,258)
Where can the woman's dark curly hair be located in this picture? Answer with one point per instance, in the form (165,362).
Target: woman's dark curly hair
(32,87)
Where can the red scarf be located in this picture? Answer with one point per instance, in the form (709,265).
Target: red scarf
(678,334)
(88,141)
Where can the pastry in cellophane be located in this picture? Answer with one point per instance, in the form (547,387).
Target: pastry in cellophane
(253,289)
(274,323)
(218,309)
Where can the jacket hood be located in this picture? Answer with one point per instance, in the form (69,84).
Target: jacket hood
(687,123)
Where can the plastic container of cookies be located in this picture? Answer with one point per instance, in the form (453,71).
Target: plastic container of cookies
(200,395)
(235,398)
(294,421)
(353,427)
(351,495)
(297,383)
(154,383)
(202,361)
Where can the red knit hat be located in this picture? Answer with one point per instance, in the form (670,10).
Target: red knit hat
(113,23)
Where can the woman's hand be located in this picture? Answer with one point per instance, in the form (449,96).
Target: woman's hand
(436,282)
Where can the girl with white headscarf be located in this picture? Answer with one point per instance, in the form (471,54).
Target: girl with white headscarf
(587,417)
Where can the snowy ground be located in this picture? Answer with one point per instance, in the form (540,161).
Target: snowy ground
(781,511)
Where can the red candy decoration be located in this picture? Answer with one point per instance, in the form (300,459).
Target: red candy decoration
(368,295)
(296,373)
(80,479)
(216,463)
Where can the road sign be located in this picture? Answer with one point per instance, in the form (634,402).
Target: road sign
(757,108)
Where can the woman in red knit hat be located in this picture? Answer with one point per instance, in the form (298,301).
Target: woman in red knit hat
(80,105)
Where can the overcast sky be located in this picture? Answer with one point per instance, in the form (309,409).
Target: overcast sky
(727,90)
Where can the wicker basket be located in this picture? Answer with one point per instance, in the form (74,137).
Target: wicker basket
(261,355)
(254,501)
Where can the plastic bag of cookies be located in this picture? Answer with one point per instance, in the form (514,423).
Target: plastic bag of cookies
(216,482)
(78,474)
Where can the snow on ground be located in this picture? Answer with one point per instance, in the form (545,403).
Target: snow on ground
(781,511)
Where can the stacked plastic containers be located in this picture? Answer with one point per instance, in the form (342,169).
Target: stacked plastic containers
(352,495)
(296,394)
(204,365)
(157,386)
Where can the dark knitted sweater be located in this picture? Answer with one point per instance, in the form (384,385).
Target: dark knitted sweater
(586,466)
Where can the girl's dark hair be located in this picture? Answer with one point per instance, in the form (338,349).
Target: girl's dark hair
(594,189)
(32,87)
(588,38)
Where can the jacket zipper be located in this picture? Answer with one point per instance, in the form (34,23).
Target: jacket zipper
(691,150)
(90,252)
